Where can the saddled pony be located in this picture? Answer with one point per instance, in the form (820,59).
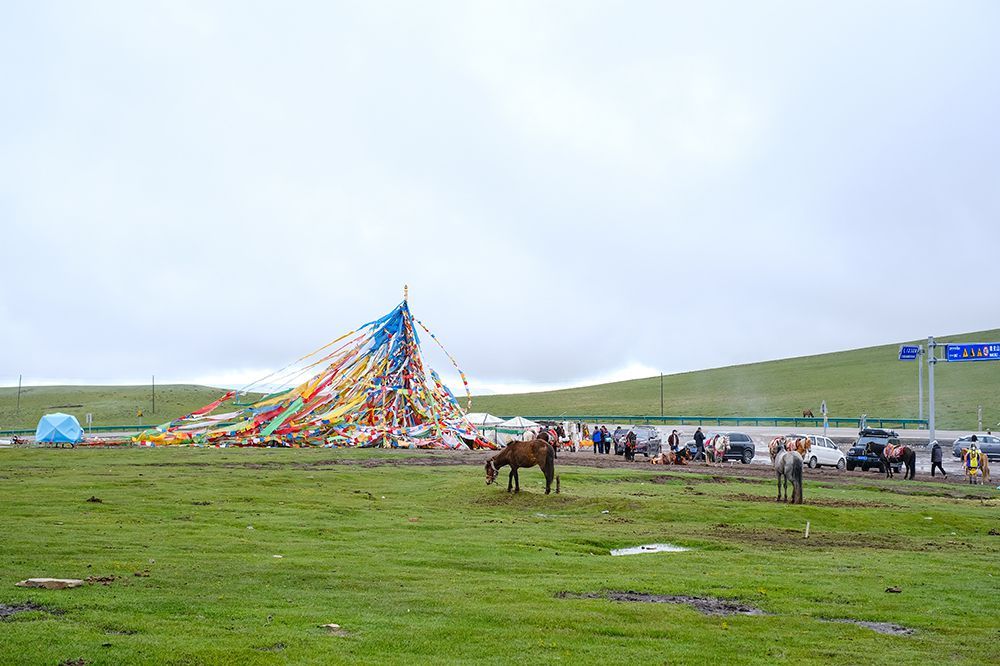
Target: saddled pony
(717,447)
(889,454)
(548,435)
(524,454)
(979,465)
(800,445)
(788,467)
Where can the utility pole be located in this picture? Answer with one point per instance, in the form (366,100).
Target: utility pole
(980,428)
(18,410)
(154,394)
(920,385)
(931,362)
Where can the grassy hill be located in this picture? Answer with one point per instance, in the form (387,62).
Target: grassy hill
(110,405)
(868,380)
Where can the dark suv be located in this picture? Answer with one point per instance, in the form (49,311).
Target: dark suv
(857,457)
(741,446)
(647,440)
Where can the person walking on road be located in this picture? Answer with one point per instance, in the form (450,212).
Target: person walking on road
(936,459)
(595,437)
(674,441)
(699,443)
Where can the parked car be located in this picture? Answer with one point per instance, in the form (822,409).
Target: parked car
(823,452)
(647,440)
(741,446)
(857,457)
(988,444)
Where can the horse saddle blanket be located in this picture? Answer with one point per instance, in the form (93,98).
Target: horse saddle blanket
(892,452)
(972,462)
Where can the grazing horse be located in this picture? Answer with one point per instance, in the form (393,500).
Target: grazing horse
(788,466)
(524,454)
(807,413)
(718,446)
(894,453)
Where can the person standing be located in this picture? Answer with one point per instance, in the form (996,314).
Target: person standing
(936,459)
(630,441)
(674,441)
(606,437)
(699,444)
(596,438)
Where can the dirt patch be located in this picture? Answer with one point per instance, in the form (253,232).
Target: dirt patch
(277,647)
(744,497)
(8,610)
(886,628)
(816,540)
(101,580)
(707,605)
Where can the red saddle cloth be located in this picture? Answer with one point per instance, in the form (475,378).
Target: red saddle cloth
(892,452)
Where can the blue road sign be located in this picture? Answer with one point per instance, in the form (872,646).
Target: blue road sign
(908,352)
(976,351)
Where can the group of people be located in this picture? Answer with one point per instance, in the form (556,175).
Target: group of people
(601,438)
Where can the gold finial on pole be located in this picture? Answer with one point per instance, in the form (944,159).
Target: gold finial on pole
(406,292)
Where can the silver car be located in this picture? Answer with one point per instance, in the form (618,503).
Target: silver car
(988,444)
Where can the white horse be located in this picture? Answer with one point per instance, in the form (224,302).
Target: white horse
(571,438)
(718,446)
(788,466)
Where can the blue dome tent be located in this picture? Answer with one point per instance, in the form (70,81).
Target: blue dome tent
(58,429)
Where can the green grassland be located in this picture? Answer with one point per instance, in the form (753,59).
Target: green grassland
(861,381)
(423,564)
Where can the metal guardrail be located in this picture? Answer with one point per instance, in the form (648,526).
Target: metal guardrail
(776,421)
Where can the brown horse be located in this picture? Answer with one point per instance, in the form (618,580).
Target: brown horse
(671,457)
(982,467)
(894,453)
(800,445)
(807,413)
(524,454)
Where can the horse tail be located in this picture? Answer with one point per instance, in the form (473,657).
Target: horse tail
(557,484)
(797,480)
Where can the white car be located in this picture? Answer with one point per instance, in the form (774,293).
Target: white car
(824,453)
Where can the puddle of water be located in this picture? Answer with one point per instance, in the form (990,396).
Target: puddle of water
(650,548)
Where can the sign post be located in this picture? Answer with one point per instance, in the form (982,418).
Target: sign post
(913,353)
(90,423)
(931,362)
(822,408)
(954,353)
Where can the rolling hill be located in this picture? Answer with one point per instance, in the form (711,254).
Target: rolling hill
(854,382)
(868,380)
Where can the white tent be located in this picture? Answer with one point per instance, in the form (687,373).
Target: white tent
(519,422)
(514,428)
(482,419)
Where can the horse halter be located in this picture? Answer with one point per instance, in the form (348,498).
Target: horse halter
(491,471)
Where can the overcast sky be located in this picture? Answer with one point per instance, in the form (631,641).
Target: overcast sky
(574,191)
